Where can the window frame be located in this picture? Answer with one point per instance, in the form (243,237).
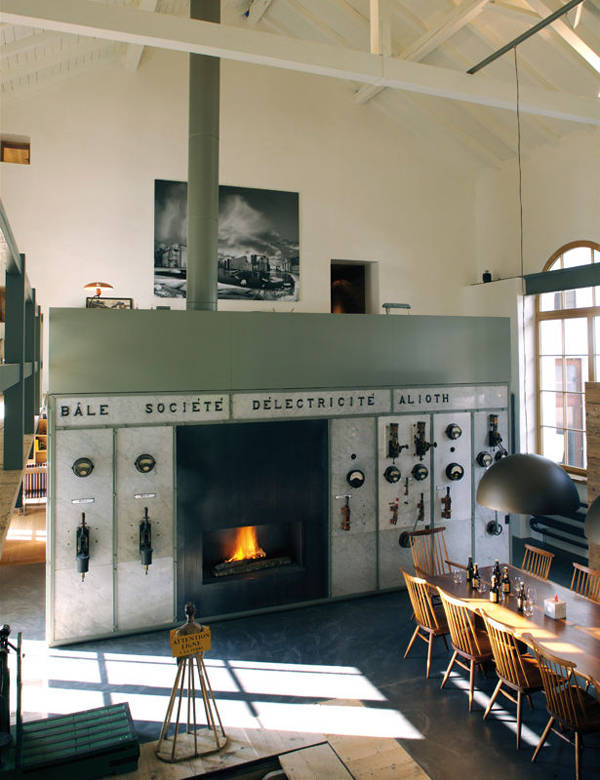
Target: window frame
(588,313)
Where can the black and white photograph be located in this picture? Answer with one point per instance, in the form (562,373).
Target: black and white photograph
(258,243)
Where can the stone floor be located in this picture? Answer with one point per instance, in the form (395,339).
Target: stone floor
(273,670)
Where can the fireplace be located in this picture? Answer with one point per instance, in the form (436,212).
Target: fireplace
(263,486)
(234,552)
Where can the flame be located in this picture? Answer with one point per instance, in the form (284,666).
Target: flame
(246,545)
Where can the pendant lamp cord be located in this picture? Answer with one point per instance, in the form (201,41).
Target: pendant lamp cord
(521,233)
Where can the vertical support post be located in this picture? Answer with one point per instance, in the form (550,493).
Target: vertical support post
(203,170)
(376,25)
(14,397)
(29,389)
(37,358)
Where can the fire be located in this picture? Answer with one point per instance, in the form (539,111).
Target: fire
(246,545)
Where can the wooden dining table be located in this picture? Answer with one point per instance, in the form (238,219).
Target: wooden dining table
(575,638)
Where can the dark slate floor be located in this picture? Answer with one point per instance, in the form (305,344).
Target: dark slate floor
(370,634)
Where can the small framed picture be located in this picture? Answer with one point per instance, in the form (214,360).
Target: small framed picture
(108,303)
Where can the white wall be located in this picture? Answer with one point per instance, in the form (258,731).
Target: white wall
(561,203)
(368,191)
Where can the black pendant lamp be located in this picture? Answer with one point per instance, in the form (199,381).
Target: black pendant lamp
(529,485)
(592,522)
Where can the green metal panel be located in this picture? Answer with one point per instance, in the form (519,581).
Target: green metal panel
(99,351)
(563,279)
(14,397)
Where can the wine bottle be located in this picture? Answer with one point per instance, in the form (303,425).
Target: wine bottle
(497,571)
(521,599)
(506,582)
(476,580)
(470,572)
(494,590)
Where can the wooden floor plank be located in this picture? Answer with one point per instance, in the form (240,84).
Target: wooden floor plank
(314,763)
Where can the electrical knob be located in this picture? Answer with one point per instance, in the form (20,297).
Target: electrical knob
(420,472)
(454,471)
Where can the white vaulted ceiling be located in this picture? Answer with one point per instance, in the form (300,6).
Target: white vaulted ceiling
(451,35)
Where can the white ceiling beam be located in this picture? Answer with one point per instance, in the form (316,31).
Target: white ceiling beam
(128,25)
(453,22)
(516,12)
(134,51)
(258,8)
(568,34)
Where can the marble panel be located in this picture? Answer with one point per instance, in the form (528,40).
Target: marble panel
(487,546)
(135,409)
(434,399)
(408,492)
(348,438)
(310,403)
(353,564)
(83,608)
(393,558)
(145,600)
(97,445)
(131,442)
(453,451)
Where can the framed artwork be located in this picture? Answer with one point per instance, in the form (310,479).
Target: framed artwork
(108,303)
(258,243)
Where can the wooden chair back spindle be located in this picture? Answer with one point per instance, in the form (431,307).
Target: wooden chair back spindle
(429,553)
(461,622)
(586,582)
(537,562)
(507,655)
(564,697)
(419,593)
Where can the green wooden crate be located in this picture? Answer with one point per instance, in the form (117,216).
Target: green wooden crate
(91,744)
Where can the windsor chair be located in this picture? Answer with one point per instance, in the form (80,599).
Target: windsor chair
(567,703)
(468,641)
(430,619)
(429,553)
(537,562)
(516,671)
(586,582)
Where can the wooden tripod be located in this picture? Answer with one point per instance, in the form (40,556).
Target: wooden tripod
(194,741)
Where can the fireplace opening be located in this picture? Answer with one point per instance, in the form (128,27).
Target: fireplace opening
(272,476)
(234,552)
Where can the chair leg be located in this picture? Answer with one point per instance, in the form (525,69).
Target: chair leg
(530,700)
(542,738)
(493,699)
(578,747)
(471,684)
(429,649)
(449,669)
(412,641)
(519,711)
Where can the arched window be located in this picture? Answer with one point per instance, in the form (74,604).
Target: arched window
(568,356)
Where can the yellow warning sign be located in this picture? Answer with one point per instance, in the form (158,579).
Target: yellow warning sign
(189,644)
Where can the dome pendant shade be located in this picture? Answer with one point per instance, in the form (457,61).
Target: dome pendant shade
(528,485)
(592,522)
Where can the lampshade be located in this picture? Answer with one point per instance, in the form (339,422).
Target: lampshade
(98,287)
(592,522)
(528,485)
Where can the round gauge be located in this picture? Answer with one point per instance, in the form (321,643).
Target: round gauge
(404,540)
(484,459)
(420,472)
(500,454)
(392,474)
(82,467)
(454,471)
(145,463)
(355,478)
(453,431)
